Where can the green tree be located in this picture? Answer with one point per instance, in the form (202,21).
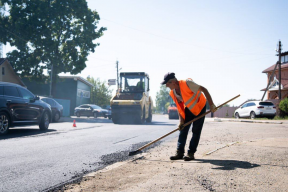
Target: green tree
(167,105)
(52,35)
(162,97)
(283,106)
(100,93)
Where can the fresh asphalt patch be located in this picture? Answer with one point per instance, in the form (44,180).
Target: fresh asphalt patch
(106,160)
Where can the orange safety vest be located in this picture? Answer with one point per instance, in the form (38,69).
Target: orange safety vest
(193,101)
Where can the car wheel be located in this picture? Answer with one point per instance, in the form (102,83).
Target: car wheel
(252,115)
(77,114)
(95,115)
(237,115)
(4,123)
(56,117)
(44,124)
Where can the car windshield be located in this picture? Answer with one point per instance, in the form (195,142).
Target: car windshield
(95,106)
(266,103)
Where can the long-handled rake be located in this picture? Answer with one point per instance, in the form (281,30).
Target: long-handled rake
(148,144)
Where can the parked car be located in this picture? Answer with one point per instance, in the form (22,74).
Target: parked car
(57,109)
(90,110)
(173,111)
(18,106)
(255,109)
(108,108)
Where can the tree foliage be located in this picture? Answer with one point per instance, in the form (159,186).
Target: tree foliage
(167,105)
(46,33)
(162,98)
(100,93)
(283,105)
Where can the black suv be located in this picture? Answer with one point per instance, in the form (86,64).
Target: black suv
(18,106)
(57,109)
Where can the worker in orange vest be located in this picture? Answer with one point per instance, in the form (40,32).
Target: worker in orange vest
(191,103)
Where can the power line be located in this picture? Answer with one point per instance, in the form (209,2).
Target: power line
(161,36)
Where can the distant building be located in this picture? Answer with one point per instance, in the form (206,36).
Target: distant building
(7,73)
(273,88)
(1,50)
(74,89)
(272,92)
(1,45)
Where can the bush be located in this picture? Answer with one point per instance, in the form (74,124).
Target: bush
(283,106)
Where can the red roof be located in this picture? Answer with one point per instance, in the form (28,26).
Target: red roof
(283,66)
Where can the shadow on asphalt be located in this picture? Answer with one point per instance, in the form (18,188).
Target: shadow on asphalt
(153,124)
(105,120)
(22,132)
(84,120)
(162,123)
(228,164)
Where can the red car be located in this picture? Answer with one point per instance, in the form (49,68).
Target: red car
(173,112)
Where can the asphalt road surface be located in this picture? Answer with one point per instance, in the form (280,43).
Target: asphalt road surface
(32,160)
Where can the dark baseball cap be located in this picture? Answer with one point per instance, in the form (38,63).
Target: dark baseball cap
(167,77)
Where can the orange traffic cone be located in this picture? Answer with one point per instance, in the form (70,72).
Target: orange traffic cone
(74,123)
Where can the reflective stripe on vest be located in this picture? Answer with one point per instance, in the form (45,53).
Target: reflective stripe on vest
(180,106)
(191,99)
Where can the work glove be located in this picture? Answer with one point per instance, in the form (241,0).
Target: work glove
(213,108)
(181,126)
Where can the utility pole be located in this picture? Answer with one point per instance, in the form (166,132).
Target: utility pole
(117,65)
(279,63)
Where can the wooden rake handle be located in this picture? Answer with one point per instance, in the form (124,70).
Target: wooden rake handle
(148,144)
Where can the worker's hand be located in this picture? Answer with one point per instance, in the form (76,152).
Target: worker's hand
(213,108)
(181,126)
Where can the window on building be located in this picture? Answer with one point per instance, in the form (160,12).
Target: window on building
(284,59)
(3,71)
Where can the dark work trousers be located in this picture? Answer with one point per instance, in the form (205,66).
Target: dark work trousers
(196,131)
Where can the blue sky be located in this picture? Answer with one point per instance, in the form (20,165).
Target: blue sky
(222,45)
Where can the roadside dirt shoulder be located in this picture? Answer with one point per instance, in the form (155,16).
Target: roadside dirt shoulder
(246,165)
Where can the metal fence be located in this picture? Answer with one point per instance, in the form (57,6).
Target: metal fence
(66,106)
(224,112)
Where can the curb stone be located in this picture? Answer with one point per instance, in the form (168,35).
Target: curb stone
(247,121)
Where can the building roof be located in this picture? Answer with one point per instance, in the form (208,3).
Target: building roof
(284,53)
(2,60)
(79,79)
(283,66)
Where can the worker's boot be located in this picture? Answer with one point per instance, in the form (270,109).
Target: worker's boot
(189,156)
(179,155)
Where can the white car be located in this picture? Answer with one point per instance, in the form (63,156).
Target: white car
(254,109)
